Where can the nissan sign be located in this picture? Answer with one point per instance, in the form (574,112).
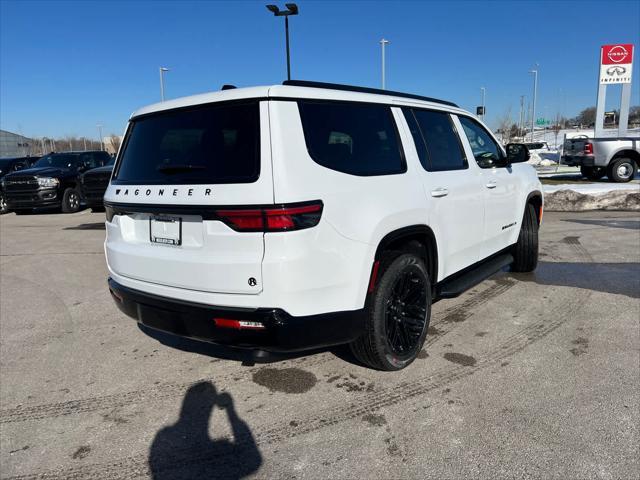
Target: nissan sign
(616,62)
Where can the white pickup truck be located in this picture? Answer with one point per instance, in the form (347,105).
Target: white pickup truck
(617,158)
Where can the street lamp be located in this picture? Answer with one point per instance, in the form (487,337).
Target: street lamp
(535,92)
(292,9)
(99,127)
(162,70)
(483,90)
(383,43)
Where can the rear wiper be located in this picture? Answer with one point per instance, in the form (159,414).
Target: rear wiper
(178,167)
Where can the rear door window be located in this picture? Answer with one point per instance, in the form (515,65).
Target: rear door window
(353,138)
(214,144)
(436,140)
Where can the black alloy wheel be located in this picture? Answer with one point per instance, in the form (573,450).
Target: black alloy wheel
(397,313)
(406,313)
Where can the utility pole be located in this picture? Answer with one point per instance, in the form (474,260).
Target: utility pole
(383,43)
(483,90)
(535,93)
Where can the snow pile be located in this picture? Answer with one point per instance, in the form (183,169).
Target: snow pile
(598,188)
(572,201)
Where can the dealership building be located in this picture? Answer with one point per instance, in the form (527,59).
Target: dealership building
(14,145)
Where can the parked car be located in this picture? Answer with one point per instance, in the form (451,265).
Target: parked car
(9,165)
(306,214)
(51,182)
(538,147)
(617,158)
(93,184)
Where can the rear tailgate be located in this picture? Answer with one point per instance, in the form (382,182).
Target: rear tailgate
(575,146)
(177,167)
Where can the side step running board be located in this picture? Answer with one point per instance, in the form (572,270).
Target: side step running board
(459,283)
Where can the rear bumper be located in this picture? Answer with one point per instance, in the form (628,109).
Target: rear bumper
(282,332)
(578,160)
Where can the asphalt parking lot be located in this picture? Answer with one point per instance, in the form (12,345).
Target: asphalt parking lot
(528,375)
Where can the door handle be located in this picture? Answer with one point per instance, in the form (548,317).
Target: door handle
(492,184)
(440,192)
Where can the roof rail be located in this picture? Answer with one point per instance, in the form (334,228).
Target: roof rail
(353,88)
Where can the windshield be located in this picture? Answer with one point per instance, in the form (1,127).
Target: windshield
(206,145)
(59,160)
(111,161)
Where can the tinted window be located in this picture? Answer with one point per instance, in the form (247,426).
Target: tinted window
(436,140)
(485,150)
(359,139)
(214,144)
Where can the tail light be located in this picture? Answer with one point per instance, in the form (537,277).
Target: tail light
(281,218)
(588,148)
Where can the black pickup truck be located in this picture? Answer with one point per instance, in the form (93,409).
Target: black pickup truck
(10,165)
(52,182)
(93,184)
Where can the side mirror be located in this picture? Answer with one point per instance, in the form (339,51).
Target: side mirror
(517,153)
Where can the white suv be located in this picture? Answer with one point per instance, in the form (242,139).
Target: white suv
(307,214)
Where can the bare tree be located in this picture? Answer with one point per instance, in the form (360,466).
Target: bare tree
(504,126)
(113,143)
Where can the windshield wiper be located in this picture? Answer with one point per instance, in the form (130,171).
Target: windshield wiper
(178,167)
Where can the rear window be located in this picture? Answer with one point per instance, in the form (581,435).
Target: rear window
(359,139)
(207,145)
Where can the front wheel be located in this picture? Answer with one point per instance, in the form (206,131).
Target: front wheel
(525,251)
(70,201)
(621,170)
(397,314)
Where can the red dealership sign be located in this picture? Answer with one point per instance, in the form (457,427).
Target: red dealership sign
(616,63)
(617,54)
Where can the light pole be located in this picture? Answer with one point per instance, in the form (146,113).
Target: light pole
(535,93)
(99,126)
(483,90)
(162,70)
(292,9)
(521,124)
(383,43)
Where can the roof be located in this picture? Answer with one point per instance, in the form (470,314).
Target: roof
(297,90)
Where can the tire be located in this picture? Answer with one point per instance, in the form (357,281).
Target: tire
(525,251)
(70,201)
(621,170)
(593,173)
(3,205)
(397,314)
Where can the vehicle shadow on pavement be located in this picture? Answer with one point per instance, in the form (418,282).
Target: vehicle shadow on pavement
(617,278)
(87,226)
(185,450)
(609,223)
